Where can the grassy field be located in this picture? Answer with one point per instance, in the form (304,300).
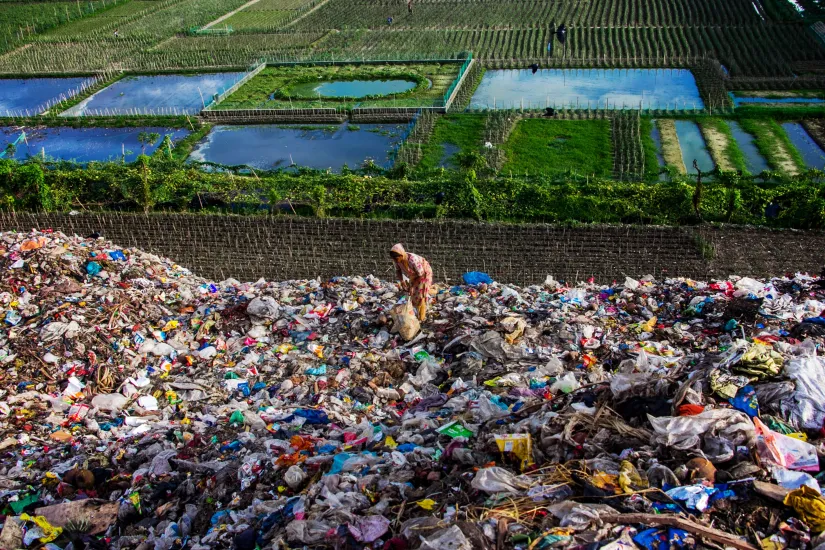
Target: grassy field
(539,146)
(293,86)
(459,133)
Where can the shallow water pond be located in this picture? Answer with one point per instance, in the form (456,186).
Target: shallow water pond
(157,94)
(356,88)
(811,153)
(754,161)
(739,100)
(83,144)
(270,147)
(693,146)
(19,94)
(583,88)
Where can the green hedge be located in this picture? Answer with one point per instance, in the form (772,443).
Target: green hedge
(160,183)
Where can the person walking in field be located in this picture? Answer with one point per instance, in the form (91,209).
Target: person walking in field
(409,6)
(419,277)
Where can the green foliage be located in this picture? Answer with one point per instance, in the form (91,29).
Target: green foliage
(146,139)
(158,183)
(540,146)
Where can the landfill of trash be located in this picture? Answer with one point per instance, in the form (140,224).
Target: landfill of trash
(143,407)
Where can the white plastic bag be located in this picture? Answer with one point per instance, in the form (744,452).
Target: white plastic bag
(498,480)
(807,403)
(447,539)
(565,384)
(687,433)
(294,476)
(404,321)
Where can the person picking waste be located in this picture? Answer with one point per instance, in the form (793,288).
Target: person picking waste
(419,277)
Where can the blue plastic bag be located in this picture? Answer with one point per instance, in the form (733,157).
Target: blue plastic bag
(745,401)
(313,416)
(477,278)
(663,539)
(338,463)
(815,320)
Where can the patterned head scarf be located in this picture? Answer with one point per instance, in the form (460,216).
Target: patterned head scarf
(398,249)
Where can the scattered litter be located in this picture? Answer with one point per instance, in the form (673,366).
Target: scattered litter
(144,407)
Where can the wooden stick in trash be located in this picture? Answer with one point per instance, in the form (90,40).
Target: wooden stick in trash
(675,521)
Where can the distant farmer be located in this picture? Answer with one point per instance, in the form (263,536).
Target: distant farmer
(419,276)
(116,33)
(389,20)
(409,6)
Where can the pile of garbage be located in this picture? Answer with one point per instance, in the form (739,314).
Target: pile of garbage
(144,407)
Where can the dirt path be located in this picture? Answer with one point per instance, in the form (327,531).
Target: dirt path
(783,157)
(671,150)
(717,143)
(226,16)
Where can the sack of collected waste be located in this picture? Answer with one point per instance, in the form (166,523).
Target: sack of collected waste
(404,321)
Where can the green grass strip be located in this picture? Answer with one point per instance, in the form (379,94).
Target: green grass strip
(539,146)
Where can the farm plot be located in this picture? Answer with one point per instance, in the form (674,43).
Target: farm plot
(257,20)
(746,51)
(21,20)
(539,146)
(267,15)
(173,17)
(71,57)
(109,19)
(235,50)
(365,85)
(774,145)
(341,14)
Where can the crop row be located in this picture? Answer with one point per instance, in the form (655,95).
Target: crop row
(628,149)
(105,23)
(160,19)
(21,21)
(144,54)
(340,14)
(747,51)
(254,19)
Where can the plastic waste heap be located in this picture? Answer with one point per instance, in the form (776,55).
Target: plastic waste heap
(143,407)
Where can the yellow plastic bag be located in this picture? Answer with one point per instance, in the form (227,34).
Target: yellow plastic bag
(50,532)
(629,478)
(520,445)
